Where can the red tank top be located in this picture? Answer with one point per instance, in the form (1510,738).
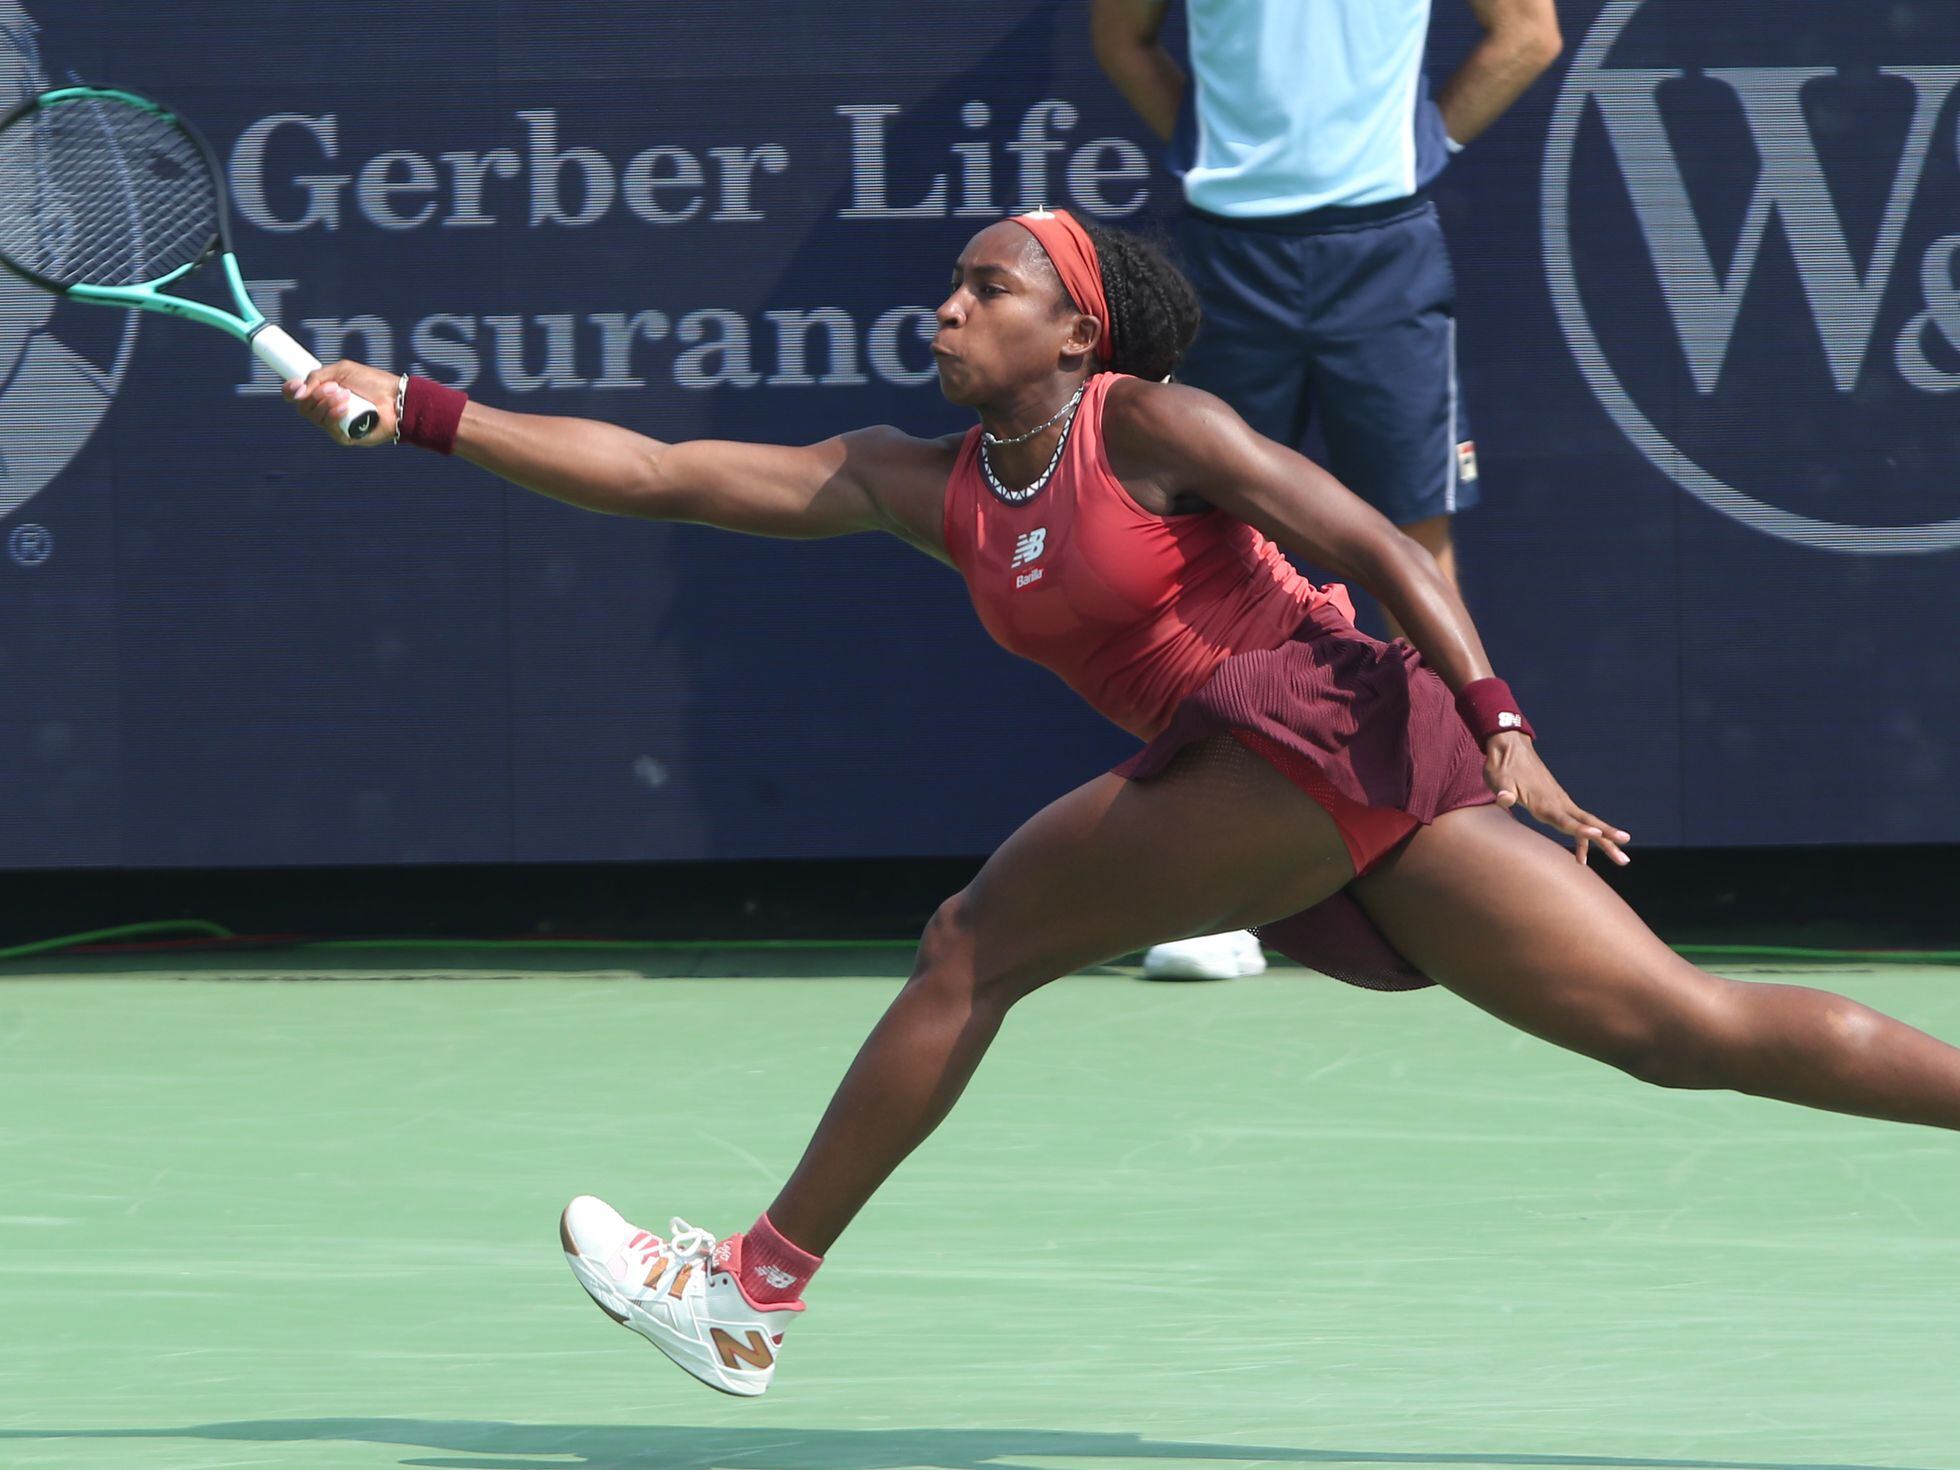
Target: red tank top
(1132,610)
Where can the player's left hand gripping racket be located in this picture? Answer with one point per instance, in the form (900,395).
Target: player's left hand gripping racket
(107,197)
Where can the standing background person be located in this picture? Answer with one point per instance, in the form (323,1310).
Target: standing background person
(1305,150)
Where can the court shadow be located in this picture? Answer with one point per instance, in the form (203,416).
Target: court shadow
(493,1445)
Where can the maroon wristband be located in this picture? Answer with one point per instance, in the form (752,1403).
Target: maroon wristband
(1488,707)
(430,414)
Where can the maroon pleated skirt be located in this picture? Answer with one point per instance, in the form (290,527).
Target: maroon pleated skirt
(1366,719)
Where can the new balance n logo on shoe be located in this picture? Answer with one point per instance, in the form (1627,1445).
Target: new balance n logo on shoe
(776,1276)
(755,1353)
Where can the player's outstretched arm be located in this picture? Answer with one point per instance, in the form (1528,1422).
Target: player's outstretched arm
(866,480)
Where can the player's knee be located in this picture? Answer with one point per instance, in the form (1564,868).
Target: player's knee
(1853,1029)
(1731,1034)
(948,937)
(953,957)
(945,959)
(1690,1043)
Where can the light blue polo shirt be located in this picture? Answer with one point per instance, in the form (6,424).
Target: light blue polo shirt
(1301,104)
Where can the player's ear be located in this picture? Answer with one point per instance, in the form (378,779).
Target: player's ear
(1084,332)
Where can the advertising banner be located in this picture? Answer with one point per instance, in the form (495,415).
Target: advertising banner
(1709,326)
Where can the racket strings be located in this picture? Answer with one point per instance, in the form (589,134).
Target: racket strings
(100,192)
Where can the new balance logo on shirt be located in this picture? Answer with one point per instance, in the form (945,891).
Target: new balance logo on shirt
(1026,549)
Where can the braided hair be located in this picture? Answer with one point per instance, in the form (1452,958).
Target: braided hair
(1153,312)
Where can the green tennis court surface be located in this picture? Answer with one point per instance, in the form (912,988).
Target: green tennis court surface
(1271,1222)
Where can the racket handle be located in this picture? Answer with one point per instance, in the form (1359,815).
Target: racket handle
(277,350)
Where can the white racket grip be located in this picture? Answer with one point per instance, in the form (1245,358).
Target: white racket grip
(277,350)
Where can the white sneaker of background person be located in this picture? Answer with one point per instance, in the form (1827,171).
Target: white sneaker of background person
(682,1294)
(1206,957)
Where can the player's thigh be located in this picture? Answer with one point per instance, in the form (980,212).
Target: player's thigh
(1504,917)
(1218,840)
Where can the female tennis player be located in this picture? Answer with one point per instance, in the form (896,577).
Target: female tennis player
(1347,797)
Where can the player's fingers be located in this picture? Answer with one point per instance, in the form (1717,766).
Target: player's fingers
(340,399)
(1610,838)
(1612,849)
(1604,826)
(325,398)
(1606,839)
(1572,824)
(327,375)
(348,402)
(1562,816)
(313,407)
(309,388)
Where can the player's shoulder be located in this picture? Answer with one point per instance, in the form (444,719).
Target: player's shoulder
(886,449)
(905,478)
(1143,417)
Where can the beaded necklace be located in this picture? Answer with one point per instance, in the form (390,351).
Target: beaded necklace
(1028,492)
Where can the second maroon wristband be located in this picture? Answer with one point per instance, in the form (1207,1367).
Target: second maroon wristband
(430,414)
(1488,707)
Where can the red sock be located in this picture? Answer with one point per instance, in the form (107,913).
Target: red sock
(770,1268)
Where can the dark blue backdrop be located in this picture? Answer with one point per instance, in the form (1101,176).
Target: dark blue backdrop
(1709,321)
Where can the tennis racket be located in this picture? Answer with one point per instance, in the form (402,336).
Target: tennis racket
(108,198)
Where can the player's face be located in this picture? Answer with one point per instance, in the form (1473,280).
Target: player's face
(23,310)
(1006,322)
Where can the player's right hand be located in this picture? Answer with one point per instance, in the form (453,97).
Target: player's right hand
(322,399)
(1518,777)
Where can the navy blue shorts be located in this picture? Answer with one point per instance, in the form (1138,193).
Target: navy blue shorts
(1347,316)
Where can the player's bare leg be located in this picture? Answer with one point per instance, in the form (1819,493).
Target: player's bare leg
(1505,918)
(1220,840)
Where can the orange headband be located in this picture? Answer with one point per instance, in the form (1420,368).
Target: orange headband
(1074,254)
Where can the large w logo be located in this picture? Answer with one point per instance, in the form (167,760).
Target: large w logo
(1844,299)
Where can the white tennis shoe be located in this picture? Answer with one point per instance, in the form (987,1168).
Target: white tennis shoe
(681,1294)
(1206,957)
